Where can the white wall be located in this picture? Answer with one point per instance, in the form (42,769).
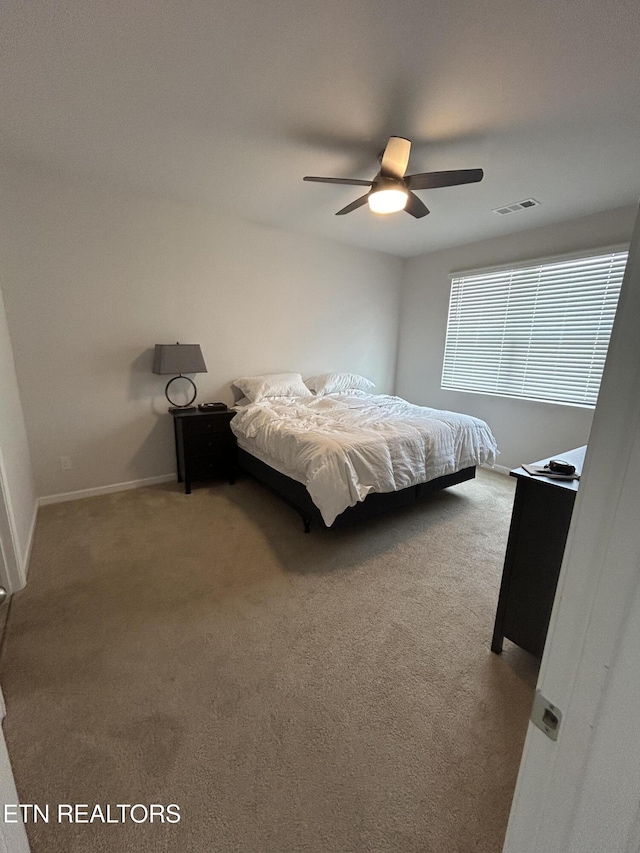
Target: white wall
(17,488)
(526,431)
(94,277)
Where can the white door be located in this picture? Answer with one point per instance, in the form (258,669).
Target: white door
(10,574)
(581,794)
(13,838)
(4,580)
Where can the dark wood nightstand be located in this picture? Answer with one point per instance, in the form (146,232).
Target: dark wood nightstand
(205,446)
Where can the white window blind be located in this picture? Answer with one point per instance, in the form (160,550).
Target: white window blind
(539,331)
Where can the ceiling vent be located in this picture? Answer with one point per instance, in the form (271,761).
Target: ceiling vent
(518,205)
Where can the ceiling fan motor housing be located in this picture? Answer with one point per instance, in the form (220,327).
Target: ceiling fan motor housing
(382,183)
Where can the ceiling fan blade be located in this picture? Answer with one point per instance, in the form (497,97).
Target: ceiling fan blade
(354,205)
(395,159)
(416,207)
(353,182)
(432,180)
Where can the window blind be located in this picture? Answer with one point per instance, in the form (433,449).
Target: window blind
(539,331)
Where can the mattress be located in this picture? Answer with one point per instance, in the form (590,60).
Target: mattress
(344,446)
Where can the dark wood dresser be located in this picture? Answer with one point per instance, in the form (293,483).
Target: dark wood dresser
(205,445)
(540,521)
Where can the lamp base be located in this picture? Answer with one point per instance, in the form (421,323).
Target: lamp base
(187,406)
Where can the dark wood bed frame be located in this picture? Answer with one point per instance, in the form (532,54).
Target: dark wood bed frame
(297,496)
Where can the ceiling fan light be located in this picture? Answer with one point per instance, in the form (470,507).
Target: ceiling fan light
(387,201)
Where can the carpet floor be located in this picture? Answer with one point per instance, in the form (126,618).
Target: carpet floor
(289,692)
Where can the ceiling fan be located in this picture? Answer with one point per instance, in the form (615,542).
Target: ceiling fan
(392,190)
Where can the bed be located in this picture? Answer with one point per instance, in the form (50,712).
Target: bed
(338,453)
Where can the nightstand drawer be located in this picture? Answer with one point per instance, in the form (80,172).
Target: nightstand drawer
(202,467)
(206,445)
(207,424)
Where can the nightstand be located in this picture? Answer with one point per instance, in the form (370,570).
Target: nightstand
(205,446)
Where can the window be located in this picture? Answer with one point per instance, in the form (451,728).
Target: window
(538,331)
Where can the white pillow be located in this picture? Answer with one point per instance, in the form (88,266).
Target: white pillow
(256,388)
(335,383)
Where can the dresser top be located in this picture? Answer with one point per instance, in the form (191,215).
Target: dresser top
(573,457)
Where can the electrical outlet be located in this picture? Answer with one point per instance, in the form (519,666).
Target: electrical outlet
(65,463)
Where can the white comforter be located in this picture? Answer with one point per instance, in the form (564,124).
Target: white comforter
(343,446)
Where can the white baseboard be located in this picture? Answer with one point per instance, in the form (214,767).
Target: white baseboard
(104,490)
(499,469)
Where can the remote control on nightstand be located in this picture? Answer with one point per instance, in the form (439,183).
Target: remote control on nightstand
(212,407)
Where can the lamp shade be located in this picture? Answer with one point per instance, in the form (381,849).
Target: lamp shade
(178,358)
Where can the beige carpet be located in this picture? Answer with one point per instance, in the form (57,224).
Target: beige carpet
(290,692)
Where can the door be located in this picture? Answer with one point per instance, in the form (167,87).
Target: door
(13,838)
(10,574)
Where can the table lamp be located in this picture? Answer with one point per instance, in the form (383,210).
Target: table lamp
(179,359)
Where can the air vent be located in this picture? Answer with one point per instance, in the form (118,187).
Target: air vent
(517,205)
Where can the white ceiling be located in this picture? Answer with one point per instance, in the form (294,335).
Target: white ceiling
(229,103)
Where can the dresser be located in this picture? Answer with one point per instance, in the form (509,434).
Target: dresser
(540,521)
(205,445)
